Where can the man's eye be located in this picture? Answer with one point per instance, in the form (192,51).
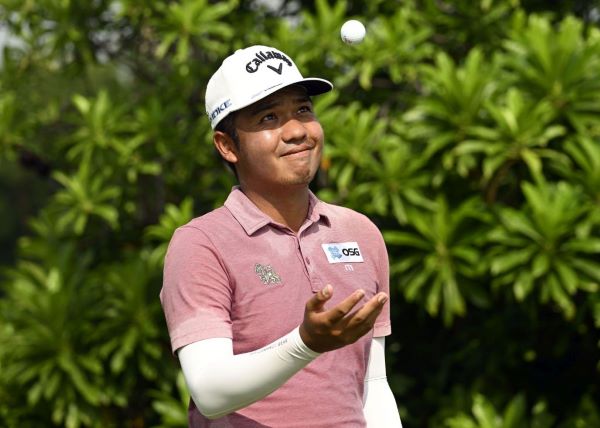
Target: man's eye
(267,117)
(305,109)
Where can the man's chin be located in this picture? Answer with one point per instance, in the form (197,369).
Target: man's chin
(302,179)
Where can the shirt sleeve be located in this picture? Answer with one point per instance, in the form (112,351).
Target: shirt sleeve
(196,295)
(383,324)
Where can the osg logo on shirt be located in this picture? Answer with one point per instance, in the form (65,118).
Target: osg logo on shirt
(344,252)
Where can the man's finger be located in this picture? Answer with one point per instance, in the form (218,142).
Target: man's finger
(338,312)
(368,313)
(316,302)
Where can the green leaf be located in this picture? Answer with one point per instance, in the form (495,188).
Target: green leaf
(405,239)
(484,412)
(585,245)
(559,296)
(415,283)
(533,162)
(515,412)
(568,276)
(505,262)
(587,267)
(540,265)
(523,285)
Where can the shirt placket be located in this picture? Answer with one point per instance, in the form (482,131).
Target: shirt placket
(305,255)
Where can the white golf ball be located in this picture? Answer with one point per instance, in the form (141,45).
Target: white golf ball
(353,32)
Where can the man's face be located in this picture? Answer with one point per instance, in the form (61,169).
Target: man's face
(281,141)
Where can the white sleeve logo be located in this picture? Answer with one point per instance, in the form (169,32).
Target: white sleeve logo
(344,252)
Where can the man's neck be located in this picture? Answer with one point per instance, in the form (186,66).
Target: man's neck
(288,207)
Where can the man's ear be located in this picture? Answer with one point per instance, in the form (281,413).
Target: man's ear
(225,146)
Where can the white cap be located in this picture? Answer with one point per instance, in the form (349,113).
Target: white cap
(250,75)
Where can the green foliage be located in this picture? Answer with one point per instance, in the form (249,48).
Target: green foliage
(514,415)
(171,406)
(395,47)
(192,22)
(558,65)
(585,153)
(519,132)
(49,358)
(7,122)
(83,197)
(171,219)
(451,105)
(444,257)
(468,131)
(549,245)
(460,24)
(131,308)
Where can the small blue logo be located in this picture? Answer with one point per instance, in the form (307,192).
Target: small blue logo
(335,252)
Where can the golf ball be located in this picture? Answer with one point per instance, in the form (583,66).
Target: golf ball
(353,32)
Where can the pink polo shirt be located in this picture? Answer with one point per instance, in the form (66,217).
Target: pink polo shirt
(236,273)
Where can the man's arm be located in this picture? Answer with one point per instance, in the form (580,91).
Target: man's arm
(220,382)
(379,404)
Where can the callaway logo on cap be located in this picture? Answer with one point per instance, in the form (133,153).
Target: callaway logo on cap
(250,75)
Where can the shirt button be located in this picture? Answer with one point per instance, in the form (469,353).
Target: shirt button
(307,260)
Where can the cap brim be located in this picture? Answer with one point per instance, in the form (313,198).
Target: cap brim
(315,86)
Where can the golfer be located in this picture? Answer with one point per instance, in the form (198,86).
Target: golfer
(277,302)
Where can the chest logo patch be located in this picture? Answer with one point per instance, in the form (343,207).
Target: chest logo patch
(343,252)
(267,275)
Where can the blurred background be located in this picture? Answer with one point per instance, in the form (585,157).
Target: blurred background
(467,130)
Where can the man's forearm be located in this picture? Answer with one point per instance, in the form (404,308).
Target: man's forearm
(379,406)
(220,382)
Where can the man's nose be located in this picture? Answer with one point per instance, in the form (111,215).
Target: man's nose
(293,131)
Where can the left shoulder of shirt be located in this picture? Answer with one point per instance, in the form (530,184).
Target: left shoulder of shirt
(347,216)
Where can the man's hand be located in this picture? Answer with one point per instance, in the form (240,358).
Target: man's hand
(325,330)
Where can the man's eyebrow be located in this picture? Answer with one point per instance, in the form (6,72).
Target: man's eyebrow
(303,98)
(261,107)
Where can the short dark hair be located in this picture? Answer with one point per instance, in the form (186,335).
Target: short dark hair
(227,126)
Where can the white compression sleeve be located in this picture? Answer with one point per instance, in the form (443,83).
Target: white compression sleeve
(220,382)
(379,406)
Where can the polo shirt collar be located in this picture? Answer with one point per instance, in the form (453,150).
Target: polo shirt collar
(252,219)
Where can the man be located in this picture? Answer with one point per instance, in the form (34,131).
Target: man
(276,303)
